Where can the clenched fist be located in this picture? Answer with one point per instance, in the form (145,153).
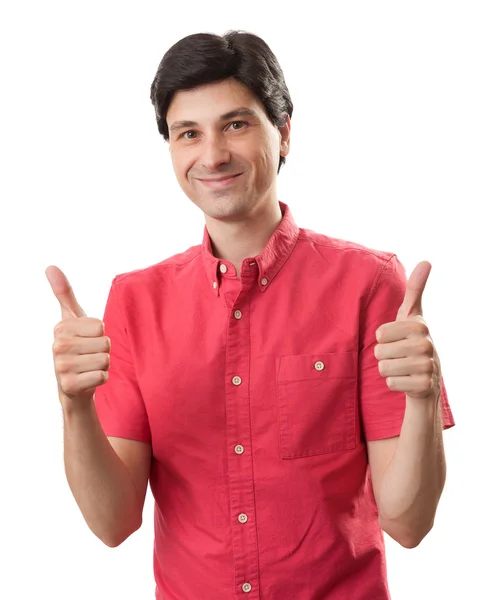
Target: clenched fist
(80,350)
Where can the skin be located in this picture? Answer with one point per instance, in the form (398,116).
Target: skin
(241,217)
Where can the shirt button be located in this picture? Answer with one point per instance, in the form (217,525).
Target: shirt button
(246,587)
(239,449)
(237,314)
(242,518)
(223,268)
(319,366)
(236,380)
(263,281)
(214,285)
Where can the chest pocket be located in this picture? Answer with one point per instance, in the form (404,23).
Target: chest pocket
(316,397)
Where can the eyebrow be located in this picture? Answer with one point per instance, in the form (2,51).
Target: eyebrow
(241,111)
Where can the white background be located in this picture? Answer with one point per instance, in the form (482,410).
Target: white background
(388,149)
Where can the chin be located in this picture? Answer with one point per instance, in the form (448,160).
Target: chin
(220,207)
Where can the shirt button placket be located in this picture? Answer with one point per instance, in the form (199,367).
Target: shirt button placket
(240,475)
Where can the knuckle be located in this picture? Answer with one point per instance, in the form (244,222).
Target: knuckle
(59,328)
(67,384)
(62,365)
(60,346)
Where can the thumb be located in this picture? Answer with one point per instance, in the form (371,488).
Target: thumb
(412,306)
(64,293)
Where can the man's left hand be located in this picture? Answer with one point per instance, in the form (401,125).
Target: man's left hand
(406,353)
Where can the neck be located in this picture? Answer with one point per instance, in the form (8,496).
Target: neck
(244,237)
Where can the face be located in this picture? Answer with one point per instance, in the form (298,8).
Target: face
(221,130)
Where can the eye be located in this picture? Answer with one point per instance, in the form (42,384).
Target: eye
(183,134)
(233,122)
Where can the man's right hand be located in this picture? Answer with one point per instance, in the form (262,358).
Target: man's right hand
(80,350)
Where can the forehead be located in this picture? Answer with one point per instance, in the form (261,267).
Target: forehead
(209,101)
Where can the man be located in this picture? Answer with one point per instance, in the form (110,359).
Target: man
(279,388)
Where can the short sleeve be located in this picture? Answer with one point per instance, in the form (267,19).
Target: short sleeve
(381,409)
(119,403)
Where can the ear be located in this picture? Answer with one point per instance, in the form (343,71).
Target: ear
(285,133)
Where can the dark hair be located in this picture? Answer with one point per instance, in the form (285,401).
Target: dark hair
(203,58)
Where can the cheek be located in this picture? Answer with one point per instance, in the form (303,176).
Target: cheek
(267,160)
(270,151)
(181,166)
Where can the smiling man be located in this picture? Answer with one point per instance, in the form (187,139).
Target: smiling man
(227,164)
(278,388)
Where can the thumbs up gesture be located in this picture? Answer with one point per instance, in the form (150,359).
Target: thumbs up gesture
(80,350)
(406,353)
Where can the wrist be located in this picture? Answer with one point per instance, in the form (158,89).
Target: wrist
(423,410)
(73,407)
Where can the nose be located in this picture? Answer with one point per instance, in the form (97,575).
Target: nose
(214,152)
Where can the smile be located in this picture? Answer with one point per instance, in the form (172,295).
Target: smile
(220,183)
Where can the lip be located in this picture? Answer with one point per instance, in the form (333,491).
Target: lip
(219,183)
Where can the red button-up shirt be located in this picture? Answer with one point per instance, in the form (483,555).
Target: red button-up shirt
(257,396)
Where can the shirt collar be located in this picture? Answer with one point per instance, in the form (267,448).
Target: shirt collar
(266,264)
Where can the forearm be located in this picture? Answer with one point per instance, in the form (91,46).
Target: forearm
(99,480)
(414,480)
